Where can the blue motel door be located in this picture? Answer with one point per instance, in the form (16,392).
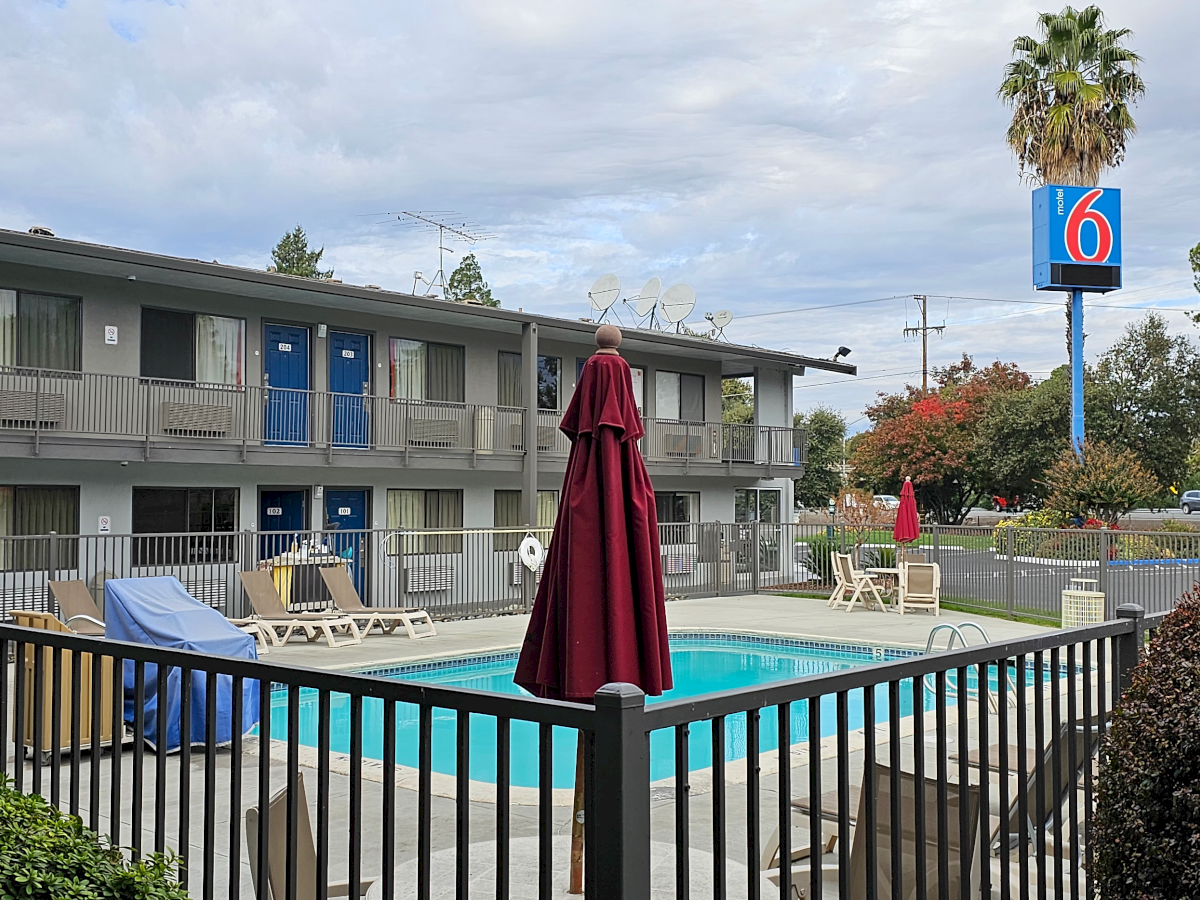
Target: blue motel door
(345,532)
(285,375)
(349,382)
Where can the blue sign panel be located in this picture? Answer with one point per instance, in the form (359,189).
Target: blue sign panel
(1076,238)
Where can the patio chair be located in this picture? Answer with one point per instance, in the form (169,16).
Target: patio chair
(907,890)
(840,585)
(346,599)
(281,625)
(862,584)
(911,557)
(920,587)
(306,849)
(79,611)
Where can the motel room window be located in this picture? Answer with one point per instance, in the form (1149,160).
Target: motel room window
(420,370)
(40,331)
(754,505)
(37,510)
(420,510)
(508,515)
(209,513)
(184,346)
(679,396)
(508,381)
(677,510)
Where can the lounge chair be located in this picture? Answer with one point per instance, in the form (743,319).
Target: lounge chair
(920,587)
(861,583)
(346,599)
(280,624)
(954,851)
(79,611)
(306,849)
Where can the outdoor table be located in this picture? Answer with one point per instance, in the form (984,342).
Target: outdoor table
(889,572)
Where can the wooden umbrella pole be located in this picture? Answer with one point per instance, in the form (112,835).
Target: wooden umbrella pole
(577,816)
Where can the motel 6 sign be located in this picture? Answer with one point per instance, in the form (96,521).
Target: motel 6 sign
(1076,238)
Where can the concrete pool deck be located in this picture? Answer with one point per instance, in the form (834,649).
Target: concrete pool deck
(754,613)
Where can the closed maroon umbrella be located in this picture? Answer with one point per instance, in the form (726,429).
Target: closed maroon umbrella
(908,523)
(600,612)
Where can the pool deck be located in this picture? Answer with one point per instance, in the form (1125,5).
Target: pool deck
(755,613)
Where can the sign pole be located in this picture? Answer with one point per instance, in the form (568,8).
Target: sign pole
(1077,371)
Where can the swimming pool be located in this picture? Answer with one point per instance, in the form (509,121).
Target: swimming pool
(701,663)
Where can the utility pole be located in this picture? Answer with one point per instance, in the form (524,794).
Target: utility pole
(923,330)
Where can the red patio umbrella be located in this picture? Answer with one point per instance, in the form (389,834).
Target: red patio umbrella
(908,524)
(600,612)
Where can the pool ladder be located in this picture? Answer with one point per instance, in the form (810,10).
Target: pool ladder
(957,635)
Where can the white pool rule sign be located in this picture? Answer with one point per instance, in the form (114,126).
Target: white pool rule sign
(104,525)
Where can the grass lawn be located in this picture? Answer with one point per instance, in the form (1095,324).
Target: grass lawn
(1026,615)
(884,536)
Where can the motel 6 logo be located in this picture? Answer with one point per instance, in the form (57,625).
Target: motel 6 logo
(1087,228)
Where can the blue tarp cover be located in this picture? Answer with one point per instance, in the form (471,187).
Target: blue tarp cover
(161,612)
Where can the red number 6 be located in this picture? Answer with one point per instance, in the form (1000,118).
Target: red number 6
(1081,213)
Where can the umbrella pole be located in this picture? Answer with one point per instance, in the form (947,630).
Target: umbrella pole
(577,815)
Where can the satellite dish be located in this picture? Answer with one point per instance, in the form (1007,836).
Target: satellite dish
(604,292)
(720,318)
(648,297)
(677,302)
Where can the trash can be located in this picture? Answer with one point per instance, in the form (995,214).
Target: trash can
(1082,604)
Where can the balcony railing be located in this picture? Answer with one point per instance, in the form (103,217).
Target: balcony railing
(46,402)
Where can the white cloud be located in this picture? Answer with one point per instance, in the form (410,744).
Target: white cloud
(773,155)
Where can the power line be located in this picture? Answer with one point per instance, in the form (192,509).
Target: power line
(923,330)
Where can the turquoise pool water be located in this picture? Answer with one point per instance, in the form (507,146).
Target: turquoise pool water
(701,665)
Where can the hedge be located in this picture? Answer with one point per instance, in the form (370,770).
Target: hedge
(1146,829)
(45,853)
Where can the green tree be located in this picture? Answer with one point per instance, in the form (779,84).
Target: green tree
(822,477)
(1102,482)
(467,285)
(737,401)
(291,256)
(1150,382)
(1194,260)
(1071,90)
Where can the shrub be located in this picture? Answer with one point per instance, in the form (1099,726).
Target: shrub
(1174,526)
(1148,794)
(47,854)
(820,563)
(1104,482)
(1025,541)
(1139,546)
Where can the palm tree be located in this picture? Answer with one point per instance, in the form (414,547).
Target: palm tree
(1070,93)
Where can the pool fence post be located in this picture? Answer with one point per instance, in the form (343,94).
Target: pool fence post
(621,804)
(756,559)
(1009,574)
(1102,572)
(1129,645)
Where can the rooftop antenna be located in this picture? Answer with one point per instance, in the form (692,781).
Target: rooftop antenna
(720,319)
(449,225)
(647,299)
(676,304)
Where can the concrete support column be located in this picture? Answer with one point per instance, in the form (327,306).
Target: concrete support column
(529,393)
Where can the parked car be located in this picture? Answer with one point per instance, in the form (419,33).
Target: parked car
(1190,501)
(891,501)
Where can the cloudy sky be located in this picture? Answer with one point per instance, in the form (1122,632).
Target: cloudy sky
(776,156)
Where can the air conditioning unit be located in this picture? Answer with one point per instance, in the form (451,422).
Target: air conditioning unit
(196,419)
(680,442)
(24,596)
(444,433)
(29,409)
(427,579)
(518,571)
(679,560)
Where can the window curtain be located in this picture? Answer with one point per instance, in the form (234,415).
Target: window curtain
(407,364)
(666,395)
(220,350)
(444,509)
(508,383)
(48,332)
(691,398)
(445,373)
(8,328)
(507,508)
(406,511)
(547,508)
(40,510)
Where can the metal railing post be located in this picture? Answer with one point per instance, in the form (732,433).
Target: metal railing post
(37,415)
(621,804)
(1102,573)
(756,560)
(1129,645)
(937,544)
(1009,573)
(52,557)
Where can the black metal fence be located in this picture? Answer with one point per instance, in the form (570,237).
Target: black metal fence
(964,774)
